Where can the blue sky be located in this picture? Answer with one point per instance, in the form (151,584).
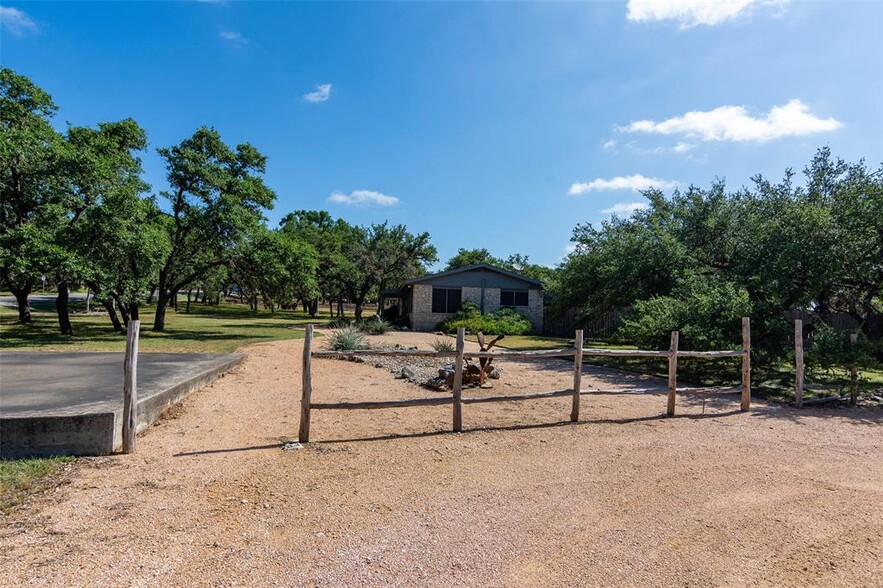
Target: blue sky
(497,125)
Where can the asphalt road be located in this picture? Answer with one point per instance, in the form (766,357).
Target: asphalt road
(42,384)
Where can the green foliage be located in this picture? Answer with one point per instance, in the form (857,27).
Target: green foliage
(216,199)
(815,247)
(833,353)
(348,338)
(375,326)
(382,256)
(440,344)
(277,266)
(506,321)
(707,312)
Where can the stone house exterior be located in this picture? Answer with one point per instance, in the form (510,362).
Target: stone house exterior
(426,301)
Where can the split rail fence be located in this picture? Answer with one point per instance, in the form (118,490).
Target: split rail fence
(577,352)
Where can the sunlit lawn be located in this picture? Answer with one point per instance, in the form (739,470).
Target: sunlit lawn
(219,328)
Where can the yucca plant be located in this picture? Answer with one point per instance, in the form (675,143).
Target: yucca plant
(440,344)
(348,338)
(375,326)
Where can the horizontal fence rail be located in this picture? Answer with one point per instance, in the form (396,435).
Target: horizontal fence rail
(576,392)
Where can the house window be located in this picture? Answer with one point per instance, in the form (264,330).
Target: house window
(446,300)
(513,297)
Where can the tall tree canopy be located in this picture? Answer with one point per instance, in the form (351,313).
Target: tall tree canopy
(217,197)
(774,246)
(30,202)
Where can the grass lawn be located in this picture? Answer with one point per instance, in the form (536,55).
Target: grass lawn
(220,328)
(21,477)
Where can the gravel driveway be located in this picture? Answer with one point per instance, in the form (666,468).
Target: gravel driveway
(774,497)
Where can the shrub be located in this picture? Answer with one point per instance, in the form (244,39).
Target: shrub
(375,326)
(832,352)
(506,321)
(707,312)
(440,344)
(348,338)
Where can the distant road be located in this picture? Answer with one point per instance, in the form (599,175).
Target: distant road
(40,299)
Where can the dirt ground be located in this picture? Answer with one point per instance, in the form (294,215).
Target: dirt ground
(774,497)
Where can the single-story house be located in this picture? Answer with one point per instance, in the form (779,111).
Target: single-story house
(422,303)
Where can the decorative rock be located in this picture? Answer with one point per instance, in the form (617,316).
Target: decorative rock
(408,373)
(437,384)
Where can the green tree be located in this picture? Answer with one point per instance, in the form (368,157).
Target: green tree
(383,256)
(467,257)
(101,197)
(30,206)
(277,267)
(217,196)
(329,237)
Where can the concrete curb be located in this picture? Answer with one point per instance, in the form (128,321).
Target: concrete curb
(98,432)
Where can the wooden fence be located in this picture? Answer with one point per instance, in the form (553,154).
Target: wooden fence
(577,352)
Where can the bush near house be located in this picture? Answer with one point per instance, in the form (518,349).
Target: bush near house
(503,322)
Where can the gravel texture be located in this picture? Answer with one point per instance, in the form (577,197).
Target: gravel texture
(774,497)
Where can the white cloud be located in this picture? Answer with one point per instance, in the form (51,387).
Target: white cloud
(682,147)
(16,21)
(363,198)
(626,208)
(635,182)
(734,123)
(609,144)
(234,37)
(690,13)
(322,93)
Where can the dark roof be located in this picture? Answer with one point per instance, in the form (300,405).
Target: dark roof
(469,268)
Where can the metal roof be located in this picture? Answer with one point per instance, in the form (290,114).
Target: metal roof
(469,268)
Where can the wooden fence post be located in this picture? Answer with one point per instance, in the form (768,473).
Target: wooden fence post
(746,363)
(303,434)
(853,374)
(798,362)
(672,374)
(577,373)
(458,380)
(130,386)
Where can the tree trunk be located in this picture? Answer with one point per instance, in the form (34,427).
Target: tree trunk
(314,307)
(124,310)
(112,313)
(21,299)
(64,317)
(133,310)
(159,318)
(189,292)
(174,300)
(358,312)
